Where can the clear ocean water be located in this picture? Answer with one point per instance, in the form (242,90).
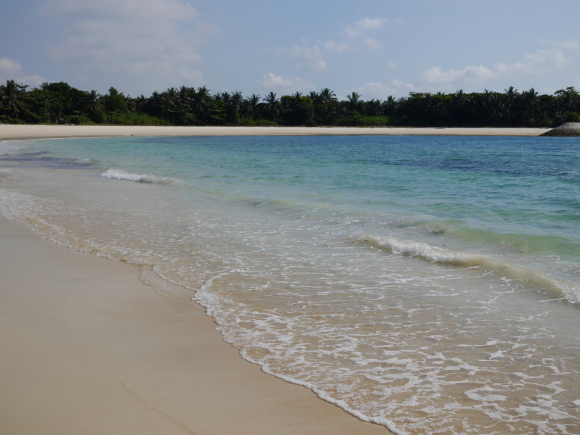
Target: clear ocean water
(428,284)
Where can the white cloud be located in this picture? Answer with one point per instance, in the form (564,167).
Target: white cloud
(362,30)
(337,47)
(359,28)
(275,83)
(123,10)
(370,23)
(307,57)
(392,64)
(12,70)
(9,66)
(565,45)
(142,39)
(539,63)
(372,43)
(380,91)
(471,74)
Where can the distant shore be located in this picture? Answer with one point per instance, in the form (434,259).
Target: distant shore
(15,132)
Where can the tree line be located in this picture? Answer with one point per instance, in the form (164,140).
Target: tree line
(60,103)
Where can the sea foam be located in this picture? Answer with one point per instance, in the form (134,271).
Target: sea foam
(118,174)
(433,254)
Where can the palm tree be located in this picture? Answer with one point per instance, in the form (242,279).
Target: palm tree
(511,93)
(130,104)
(222,96)
(327,96)
(272,105)
(236,100)
(93,104)
(565,99)
(353,101)
(531,102)
(389,105)
(201,102)
(13,96)
(167,103)
(251,105)
(141,103)
(374,108)
(326,106)
(511,97)
(183,97)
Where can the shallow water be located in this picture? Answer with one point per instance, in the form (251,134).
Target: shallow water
(431,285)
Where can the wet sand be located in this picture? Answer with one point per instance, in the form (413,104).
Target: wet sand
(87,347)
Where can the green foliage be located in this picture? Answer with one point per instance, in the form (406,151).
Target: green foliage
(135,119)
(79,120)
(297,110)
(357,120)
(249,122)
(62,103)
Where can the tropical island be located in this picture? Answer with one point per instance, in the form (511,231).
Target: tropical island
(60,103)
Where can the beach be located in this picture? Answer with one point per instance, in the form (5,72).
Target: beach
(58,131)
(86,347)
(414,282)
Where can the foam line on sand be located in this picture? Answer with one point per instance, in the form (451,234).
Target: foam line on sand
(87,347)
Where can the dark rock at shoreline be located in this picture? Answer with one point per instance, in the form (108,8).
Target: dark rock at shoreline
(570,129)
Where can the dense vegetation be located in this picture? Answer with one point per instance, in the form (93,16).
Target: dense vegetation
(59,103)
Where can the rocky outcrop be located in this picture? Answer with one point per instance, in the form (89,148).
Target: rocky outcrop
(569,129)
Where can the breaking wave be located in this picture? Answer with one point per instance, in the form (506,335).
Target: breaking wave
(118,174)
(424,251)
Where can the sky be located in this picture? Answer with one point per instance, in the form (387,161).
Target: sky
(374,47)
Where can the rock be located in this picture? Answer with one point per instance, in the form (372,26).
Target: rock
(569,129)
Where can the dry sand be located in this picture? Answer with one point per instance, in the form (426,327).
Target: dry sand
(52,131)
(87,348)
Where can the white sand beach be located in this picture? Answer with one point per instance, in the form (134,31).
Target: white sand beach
(53,131)
(86,347)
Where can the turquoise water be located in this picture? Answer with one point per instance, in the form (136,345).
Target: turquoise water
(429,284)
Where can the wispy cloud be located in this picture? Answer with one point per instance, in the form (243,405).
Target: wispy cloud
(12,70)
(565,45)
(380,90)
(360,28)
(471,74)
(363,29)
(539,63)
(140,38)
(337,47)
(307,57)
(285,85)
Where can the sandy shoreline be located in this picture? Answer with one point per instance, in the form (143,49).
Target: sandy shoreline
(56,131)
(86,347)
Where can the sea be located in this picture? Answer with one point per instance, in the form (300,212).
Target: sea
(427,284)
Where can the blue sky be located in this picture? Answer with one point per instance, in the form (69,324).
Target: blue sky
(374,47)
